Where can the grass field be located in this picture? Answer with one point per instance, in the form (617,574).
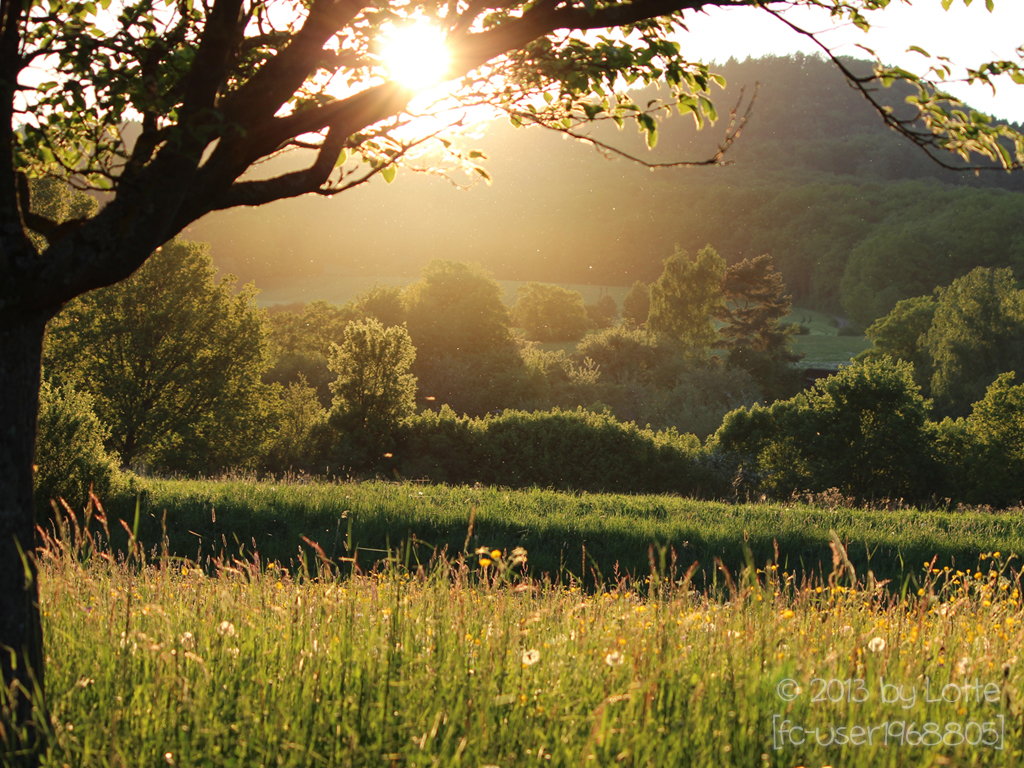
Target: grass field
(469,663)
(586,537)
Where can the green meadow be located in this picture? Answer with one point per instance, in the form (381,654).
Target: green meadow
(587,537)
(499,654)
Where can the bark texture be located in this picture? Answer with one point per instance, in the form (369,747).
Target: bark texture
(21,648)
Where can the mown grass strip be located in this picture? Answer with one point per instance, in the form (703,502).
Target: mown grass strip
(587,536)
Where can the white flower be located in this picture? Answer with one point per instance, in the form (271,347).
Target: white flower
(226,628)
(876,644)
(531,657)
(614,659)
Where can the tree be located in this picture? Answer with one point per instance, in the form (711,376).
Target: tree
(549,312)
(637,305)
(755,302)
(374,390)
(386,303)
(603,312)
(219,86)
(900,335)
(456,309)
(977,333)
(301,341)
(172,358)
(686,297)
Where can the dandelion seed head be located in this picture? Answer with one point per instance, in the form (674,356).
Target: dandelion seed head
(614,659)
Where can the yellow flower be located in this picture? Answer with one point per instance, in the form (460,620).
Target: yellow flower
(496,553)
(485,561)
(788,614)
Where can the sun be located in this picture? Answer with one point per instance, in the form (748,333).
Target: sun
(416,56)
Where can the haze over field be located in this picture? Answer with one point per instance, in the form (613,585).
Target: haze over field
(561,212)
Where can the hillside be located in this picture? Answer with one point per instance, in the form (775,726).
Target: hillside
(815,179)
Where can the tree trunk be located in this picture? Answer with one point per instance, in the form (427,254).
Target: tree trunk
(21,639)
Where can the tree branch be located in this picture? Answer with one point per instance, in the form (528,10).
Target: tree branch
(924,139)
(280,77)
(210,67)
(732,132)
(289,184)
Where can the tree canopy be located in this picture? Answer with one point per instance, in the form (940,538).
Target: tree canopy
(550,312)
(686,298)
(217,87)
(172,358)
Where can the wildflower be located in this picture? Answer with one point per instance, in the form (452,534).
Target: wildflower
(226,629)
(531,657)
(496,554)
(788,614)
(484,561)
(876,644)
(187,640)
(614,659)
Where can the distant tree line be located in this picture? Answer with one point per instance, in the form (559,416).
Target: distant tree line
(187,375)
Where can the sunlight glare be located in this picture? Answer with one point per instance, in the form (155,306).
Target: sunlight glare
(416,56)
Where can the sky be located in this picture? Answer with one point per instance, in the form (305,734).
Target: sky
(967,35)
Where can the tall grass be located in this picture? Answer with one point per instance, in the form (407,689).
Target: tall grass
(468,663)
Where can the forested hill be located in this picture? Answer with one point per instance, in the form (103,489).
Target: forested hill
(854,216)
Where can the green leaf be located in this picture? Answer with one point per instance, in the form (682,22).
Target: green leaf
(388,172)
(709,109)
(342,157)
(649,126)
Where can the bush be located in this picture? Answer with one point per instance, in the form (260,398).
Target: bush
(70,457)
(624,355)
(301,442)
(862,431)
(568,450)
(983,454)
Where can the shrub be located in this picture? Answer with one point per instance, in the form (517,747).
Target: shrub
(862,431)
(570,450)
(301,441)
(70,457)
